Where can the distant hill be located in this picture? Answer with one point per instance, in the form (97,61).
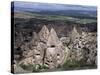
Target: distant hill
(56,9)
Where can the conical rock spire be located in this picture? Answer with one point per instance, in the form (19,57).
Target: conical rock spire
(53,38)
(44,34)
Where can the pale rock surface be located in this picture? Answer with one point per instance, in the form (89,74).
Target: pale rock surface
(53,38)
(44,34)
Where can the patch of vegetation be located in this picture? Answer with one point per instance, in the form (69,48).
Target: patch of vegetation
(71,64)
(85,21)
(28,67)
(43,67)
(34,68)
(74,64)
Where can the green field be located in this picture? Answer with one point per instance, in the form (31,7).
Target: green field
(27,15)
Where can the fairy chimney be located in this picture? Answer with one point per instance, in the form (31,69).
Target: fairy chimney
(74,34)
(47,49)
(53,39)
(54,53)
(44,34)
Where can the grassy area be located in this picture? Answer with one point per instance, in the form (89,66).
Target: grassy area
(52,17)
(34,68)
(74,65)
(68,65)
(29,67)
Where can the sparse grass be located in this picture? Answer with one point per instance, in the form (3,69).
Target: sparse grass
(71,64)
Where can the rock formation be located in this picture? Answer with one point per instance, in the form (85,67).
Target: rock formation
(55,52)
(74,34)
(47,49)
(44,49)
(53,39)
(82,47)
(44,34)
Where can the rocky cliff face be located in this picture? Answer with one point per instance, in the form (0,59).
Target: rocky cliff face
(44,49)
(51,46)
(82,47)
(55,53)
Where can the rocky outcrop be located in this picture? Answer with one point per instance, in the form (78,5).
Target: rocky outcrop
(65,40)
(55,52)
(82,47)
(74,34)
(47,49)
(89,41)
(53,39)
(44,34)
(44,49)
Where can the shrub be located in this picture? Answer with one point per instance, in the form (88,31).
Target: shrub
(28,67)
(33,68)
(71,64)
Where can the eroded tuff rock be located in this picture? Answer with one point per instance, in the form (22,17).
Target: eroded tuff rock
(83,47)
(44,34)
(44,49)
(65,40)
(53,39)
(55,52)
